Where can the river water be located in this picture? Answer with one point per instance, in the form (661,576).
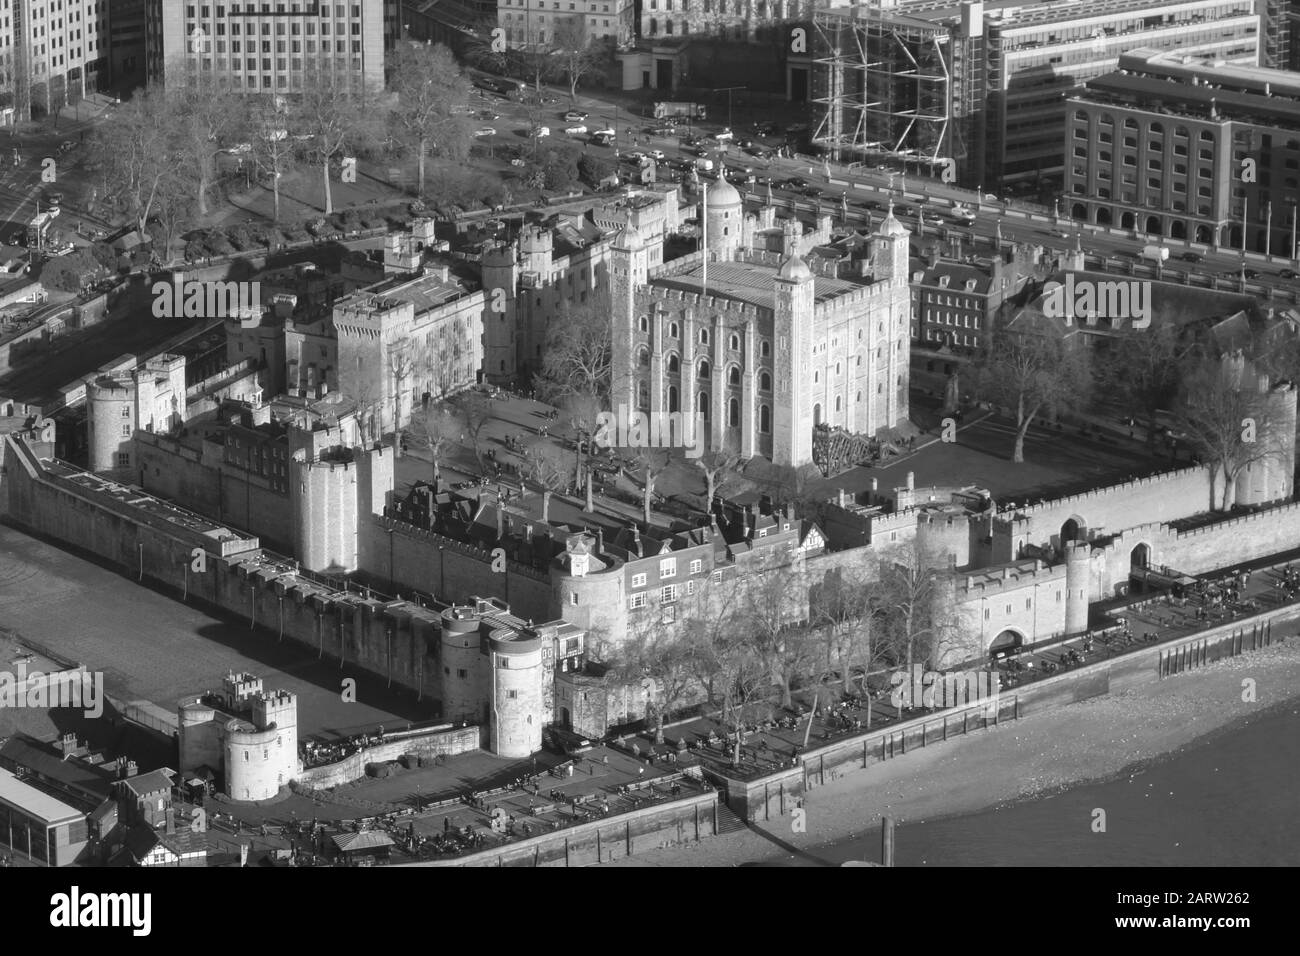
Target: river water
(1230,799)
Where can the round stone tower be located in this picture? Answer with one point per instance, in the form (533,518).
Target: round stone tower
(462,696)
(724,212)
(515,725)
(1078,574)
(110,408)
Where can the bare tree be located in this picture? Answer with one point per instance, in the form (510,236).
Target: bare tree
(476,410)
(207,112)
(718,465)
(577,51)
(140,155)
(1140,367)
(337,116)
(776,622)
(576,358)
(916,602)
(440,429)
(1227,415)
(428,85)
(664,664)
(546,466)
(1031,366)
(274,150)
(653,463)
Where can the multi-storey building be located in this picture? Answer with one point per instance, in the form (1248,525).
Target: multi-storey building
(125,57)
(1188,148)
(954,303)
(985,84)
(50,52)
(531,23)
(747,20)
(754,343)
(268,51)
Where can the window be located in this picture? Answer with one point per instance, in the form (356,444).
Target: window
(126,431)
(461,673)
(573,598)
(690,587)
(697,566)
(704,336)
(672,330)
(765,348)
(637,601)
(668,568)
(123,460)
(734,343)
(668,594)
(638,580)
(764,382)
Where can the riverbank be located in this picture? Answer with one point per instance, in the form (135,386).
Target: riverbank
(1037,755)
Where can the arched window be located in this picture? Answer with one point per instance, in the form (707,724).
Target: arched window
(703,405)
(643,355)
(765,348)
(764,382)
(672,330)
(733,375)
(704,336)
(644,324)
(734,343)
(705,368)
(837,403)
(764,420)
(674,363)
(733,413)
(817,376)
(654,26)
(643,396)
(672,399)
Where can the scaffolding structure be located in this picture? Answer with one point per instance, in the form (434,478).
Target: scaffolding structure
(883,82)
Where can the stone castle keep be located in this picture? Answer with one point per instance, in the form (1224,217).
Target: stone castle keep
(745,335)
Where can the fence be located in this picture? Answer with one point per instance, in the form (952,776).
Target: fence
(1203,651)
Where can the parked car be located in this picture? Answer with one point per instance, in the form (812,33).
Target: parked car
(489,116)
(813,192)
(576,130)
(1289,274)
(485,131)
(1191,257)
(539,131)
(574,116)
(605,131)
(657,155)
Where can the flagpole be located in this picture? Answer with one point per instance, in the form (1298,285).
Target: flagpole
(704,222)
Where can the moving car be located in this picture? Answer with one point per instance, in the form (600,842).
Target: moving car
(1191,257)
(1289,274)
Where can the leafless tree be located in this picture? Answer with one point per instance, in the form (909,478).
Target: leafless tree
(274,149)
(653,462)
(718,466)
(546,466)
(663,662)
(1230,421)
(577,354)
(1032,366)
(577,51)
(476,410)
(339,116)
(428,84)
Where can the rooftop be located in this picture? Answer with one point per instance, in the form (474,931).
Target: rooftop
(34,802)
(749,282)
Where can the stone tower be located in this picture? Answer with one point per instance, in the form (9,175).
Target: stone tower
(724,214)
(792,346)
(890,249)
(628,267)
(500,313)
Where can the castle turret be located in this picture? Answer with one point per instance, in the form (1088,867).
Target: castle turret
(889,251)
(515,725)
(723,212)
(460,659)
(627,272)
(794,410)
(1078,574)
(500,313)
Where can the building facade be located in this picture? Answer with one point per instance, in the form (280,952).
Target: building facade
(265,51)
(51,52)
(1188,148)
(534,23)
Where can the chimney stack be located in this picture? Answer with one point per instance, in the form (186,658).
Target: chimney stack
(911,481)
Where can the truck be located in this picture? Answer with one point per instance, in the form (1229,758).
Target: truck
(692,111)
(38,230)
(1156,252)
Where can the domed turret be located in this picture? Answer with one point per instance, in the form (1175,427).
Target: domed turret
(724,213)
(794,269)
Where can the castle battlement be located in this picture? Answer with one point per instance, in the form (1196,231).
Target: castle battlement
(695,300)
(991,581)
(454,544)
(1117,489)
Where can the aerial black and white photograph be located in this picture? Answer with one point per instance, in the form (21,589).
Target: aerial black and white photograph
(650,433)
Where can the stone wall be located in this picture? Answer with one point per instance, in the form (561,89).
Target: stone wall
(441,741)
